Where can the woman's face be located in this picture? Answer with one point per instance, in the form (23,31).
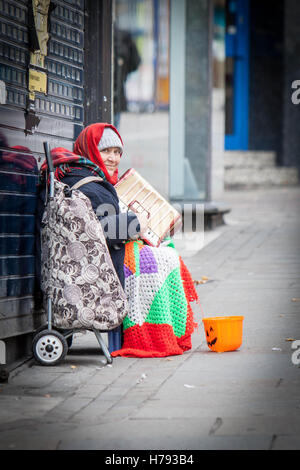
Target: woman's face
(111,159)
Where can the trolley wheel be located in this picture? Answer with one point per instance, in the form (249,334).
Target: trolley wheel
(49,347)
(64,331)
(40,328)
(44,327)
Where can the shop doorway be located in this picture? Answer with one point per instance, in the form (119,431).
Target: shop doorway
(237,75)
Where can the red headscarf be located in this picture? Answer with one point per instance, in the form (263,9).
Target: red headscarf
(87,142)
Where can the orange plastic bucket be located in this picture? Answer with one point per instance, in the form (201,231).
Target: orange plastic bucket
(223,333)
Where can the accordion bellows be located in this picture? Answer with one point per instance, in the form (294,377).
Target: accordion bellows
(136,194)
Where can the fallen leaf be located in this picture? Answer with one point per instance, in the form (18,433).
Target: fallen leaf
(73,367)
(295,299)
(204,278)
(168,359)
(47,395)
(289,339)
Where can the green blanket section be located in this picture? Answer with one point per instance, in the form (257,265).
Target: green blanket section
(168,307)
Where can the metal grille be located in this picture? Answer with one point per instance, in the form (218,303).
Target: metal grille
(59,116)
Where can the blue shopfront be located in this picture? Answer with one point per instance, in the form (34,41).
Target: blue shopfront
(237,75)
(262,61)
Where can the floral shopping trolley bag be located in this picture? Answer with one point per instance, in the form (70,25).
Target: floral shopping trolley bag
(77,271)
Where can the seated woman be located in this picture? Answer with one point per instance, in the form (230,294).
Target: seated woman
(158,286)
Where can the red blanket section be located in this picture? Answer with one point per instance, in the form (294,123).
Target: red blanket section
(152,340)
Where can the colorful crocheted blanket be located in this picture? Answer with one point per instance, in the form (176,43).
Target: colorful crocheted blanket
(159,290)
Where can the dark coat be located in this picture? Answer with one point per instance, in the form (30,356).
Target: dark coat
(117,227)
(126,60)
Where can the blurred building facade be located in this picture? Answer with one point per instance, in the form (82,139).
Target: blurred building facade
(227,70)
(213,102)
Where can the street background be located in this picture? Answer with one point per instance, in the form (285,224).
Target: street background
(245,399)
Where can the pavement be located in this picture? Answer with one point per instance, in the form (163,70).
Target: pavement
(248,399)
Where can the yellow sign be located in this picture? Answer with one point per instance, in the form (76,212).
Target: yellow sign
(37,81)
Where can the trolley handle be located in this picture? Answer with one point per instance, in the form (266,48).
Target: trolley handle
(51,172)
(48,157)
